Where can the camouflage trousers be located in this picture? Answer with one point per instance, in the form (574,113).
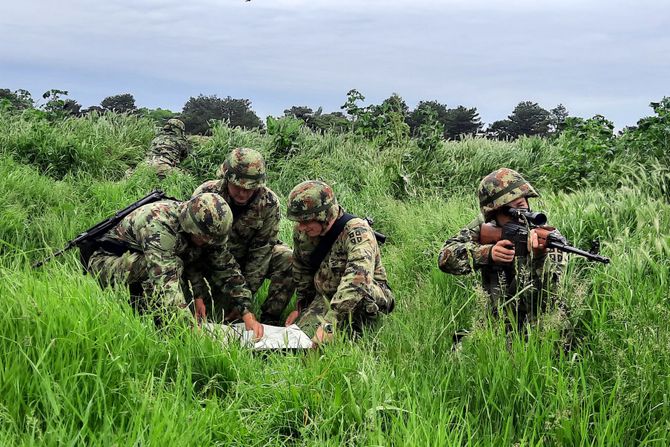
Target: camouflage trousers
(280,273)
(364,314)
(163,165)
(130,270)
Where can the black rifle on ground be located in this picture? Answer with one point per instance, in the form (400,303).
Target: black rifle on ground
(516,231)
(86,240)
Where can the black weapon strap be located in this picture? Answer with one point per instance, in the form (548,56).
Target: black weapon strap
(326,243)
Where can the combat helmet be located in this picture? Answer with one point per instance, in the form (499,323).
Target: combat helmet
(206,214)
(175,126)
(501,187)
(312,200)
(244,167)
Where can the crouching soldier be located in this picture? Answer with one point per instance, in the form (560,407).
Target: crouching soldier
(169,148)
(164,250)
(253,239)
(337,268)
(519,280)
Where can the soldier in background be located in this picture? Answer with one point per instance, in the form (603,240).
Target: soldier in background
(253,239)
(337,266)
(169,148)
(164,250)
(520,285)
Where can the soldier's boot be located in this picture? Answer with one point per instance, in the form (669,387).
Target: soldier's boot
(281,289)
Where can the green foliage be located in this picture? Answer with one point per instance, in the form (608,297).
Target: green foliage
(123,103)
(158,116)
(319,121)
(17,100)
(98,145)
(650,139)
(586,151)
(79,368)
(58,107)
(527,119)
(284,133)
(384,123)
(461,121)
(430,132)
(199,111)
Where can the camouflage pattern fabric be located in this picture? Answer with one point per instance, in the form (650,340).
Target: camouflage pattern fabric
(350,286)
(312,200)
(502,187)
(254,244)
(245,168)
(168,149)
(165,263)
(524,288)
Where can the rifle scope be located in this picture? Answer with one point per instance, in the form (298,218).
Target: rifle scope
(532,217)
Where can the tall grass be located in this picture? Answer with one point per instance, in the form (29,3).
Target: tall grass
(79,368)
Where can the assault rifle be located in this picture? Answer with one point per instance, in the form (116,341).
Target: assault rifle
(85,240)
(517,231)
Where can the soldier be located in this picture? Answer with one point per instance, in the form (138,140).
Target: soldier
(337,266)
(253,239)
(165,249)
(169,148)
(520,284)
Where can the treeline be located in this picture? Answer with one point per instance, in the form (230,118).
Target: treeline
(428,120)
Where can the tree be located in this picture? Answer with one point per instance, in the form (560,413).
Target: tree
(18,100)
(423,113)
(557,117)
(528,118)
(461,121)
(198,111)
(124,103)
(56,106)
(317,120)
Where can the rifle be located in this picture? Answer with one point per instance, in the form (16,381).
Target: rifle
(90,236)
(517,232)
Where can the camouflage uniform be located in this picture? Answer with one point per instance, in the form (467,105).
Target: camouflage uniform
(169,148)
(253,238)
(525,286)
(350,285)
(152,252)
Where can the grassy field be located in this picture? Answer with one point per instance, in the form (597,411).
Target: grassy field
(77,367)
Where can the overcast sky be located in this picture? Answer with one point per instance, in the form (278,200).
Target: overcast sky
(594,56)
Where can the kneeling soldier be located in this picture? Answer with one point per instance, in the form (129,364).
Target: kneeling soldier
(337,266)
(253,238)
(521,283)
(162,248)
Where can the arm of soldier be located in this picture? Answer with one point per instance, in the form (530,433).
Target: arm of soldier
(463,253)
(227,279)
(260,247)
(208,186)
(164,267)
(303,277)
(358,274)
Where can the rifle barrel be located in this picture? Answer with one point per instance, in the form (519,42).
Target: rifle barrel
(570,249)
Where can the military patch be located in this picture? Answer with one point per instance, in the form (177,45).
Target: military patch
(356,236)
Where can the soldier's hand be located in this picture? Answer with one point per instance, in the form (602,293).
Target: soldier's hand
(200,311)
(291,318)
(538,239)
(251,324)
(502,252)
(321,336)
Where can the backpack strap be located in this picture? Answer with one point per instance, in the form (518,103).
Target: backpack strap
(326,243)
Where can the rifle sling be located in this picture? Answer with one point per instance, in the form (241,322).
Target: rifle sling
(326,243)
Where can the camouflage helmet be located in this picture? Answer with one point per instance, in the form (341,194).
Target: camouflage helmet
(174,125)
(312,200)
(206,214)
(502,187)
(244,167)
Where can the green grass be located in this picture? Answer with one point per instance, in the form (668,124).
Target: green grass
(77,367)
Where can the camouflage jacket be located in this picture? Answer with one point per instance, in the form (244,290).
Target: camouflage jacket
(463,253)
(154,230)
(347,273)
(254,232)
(168,149)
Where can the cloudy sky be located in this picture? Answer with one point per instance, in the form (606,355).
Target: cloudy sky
(595,56)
